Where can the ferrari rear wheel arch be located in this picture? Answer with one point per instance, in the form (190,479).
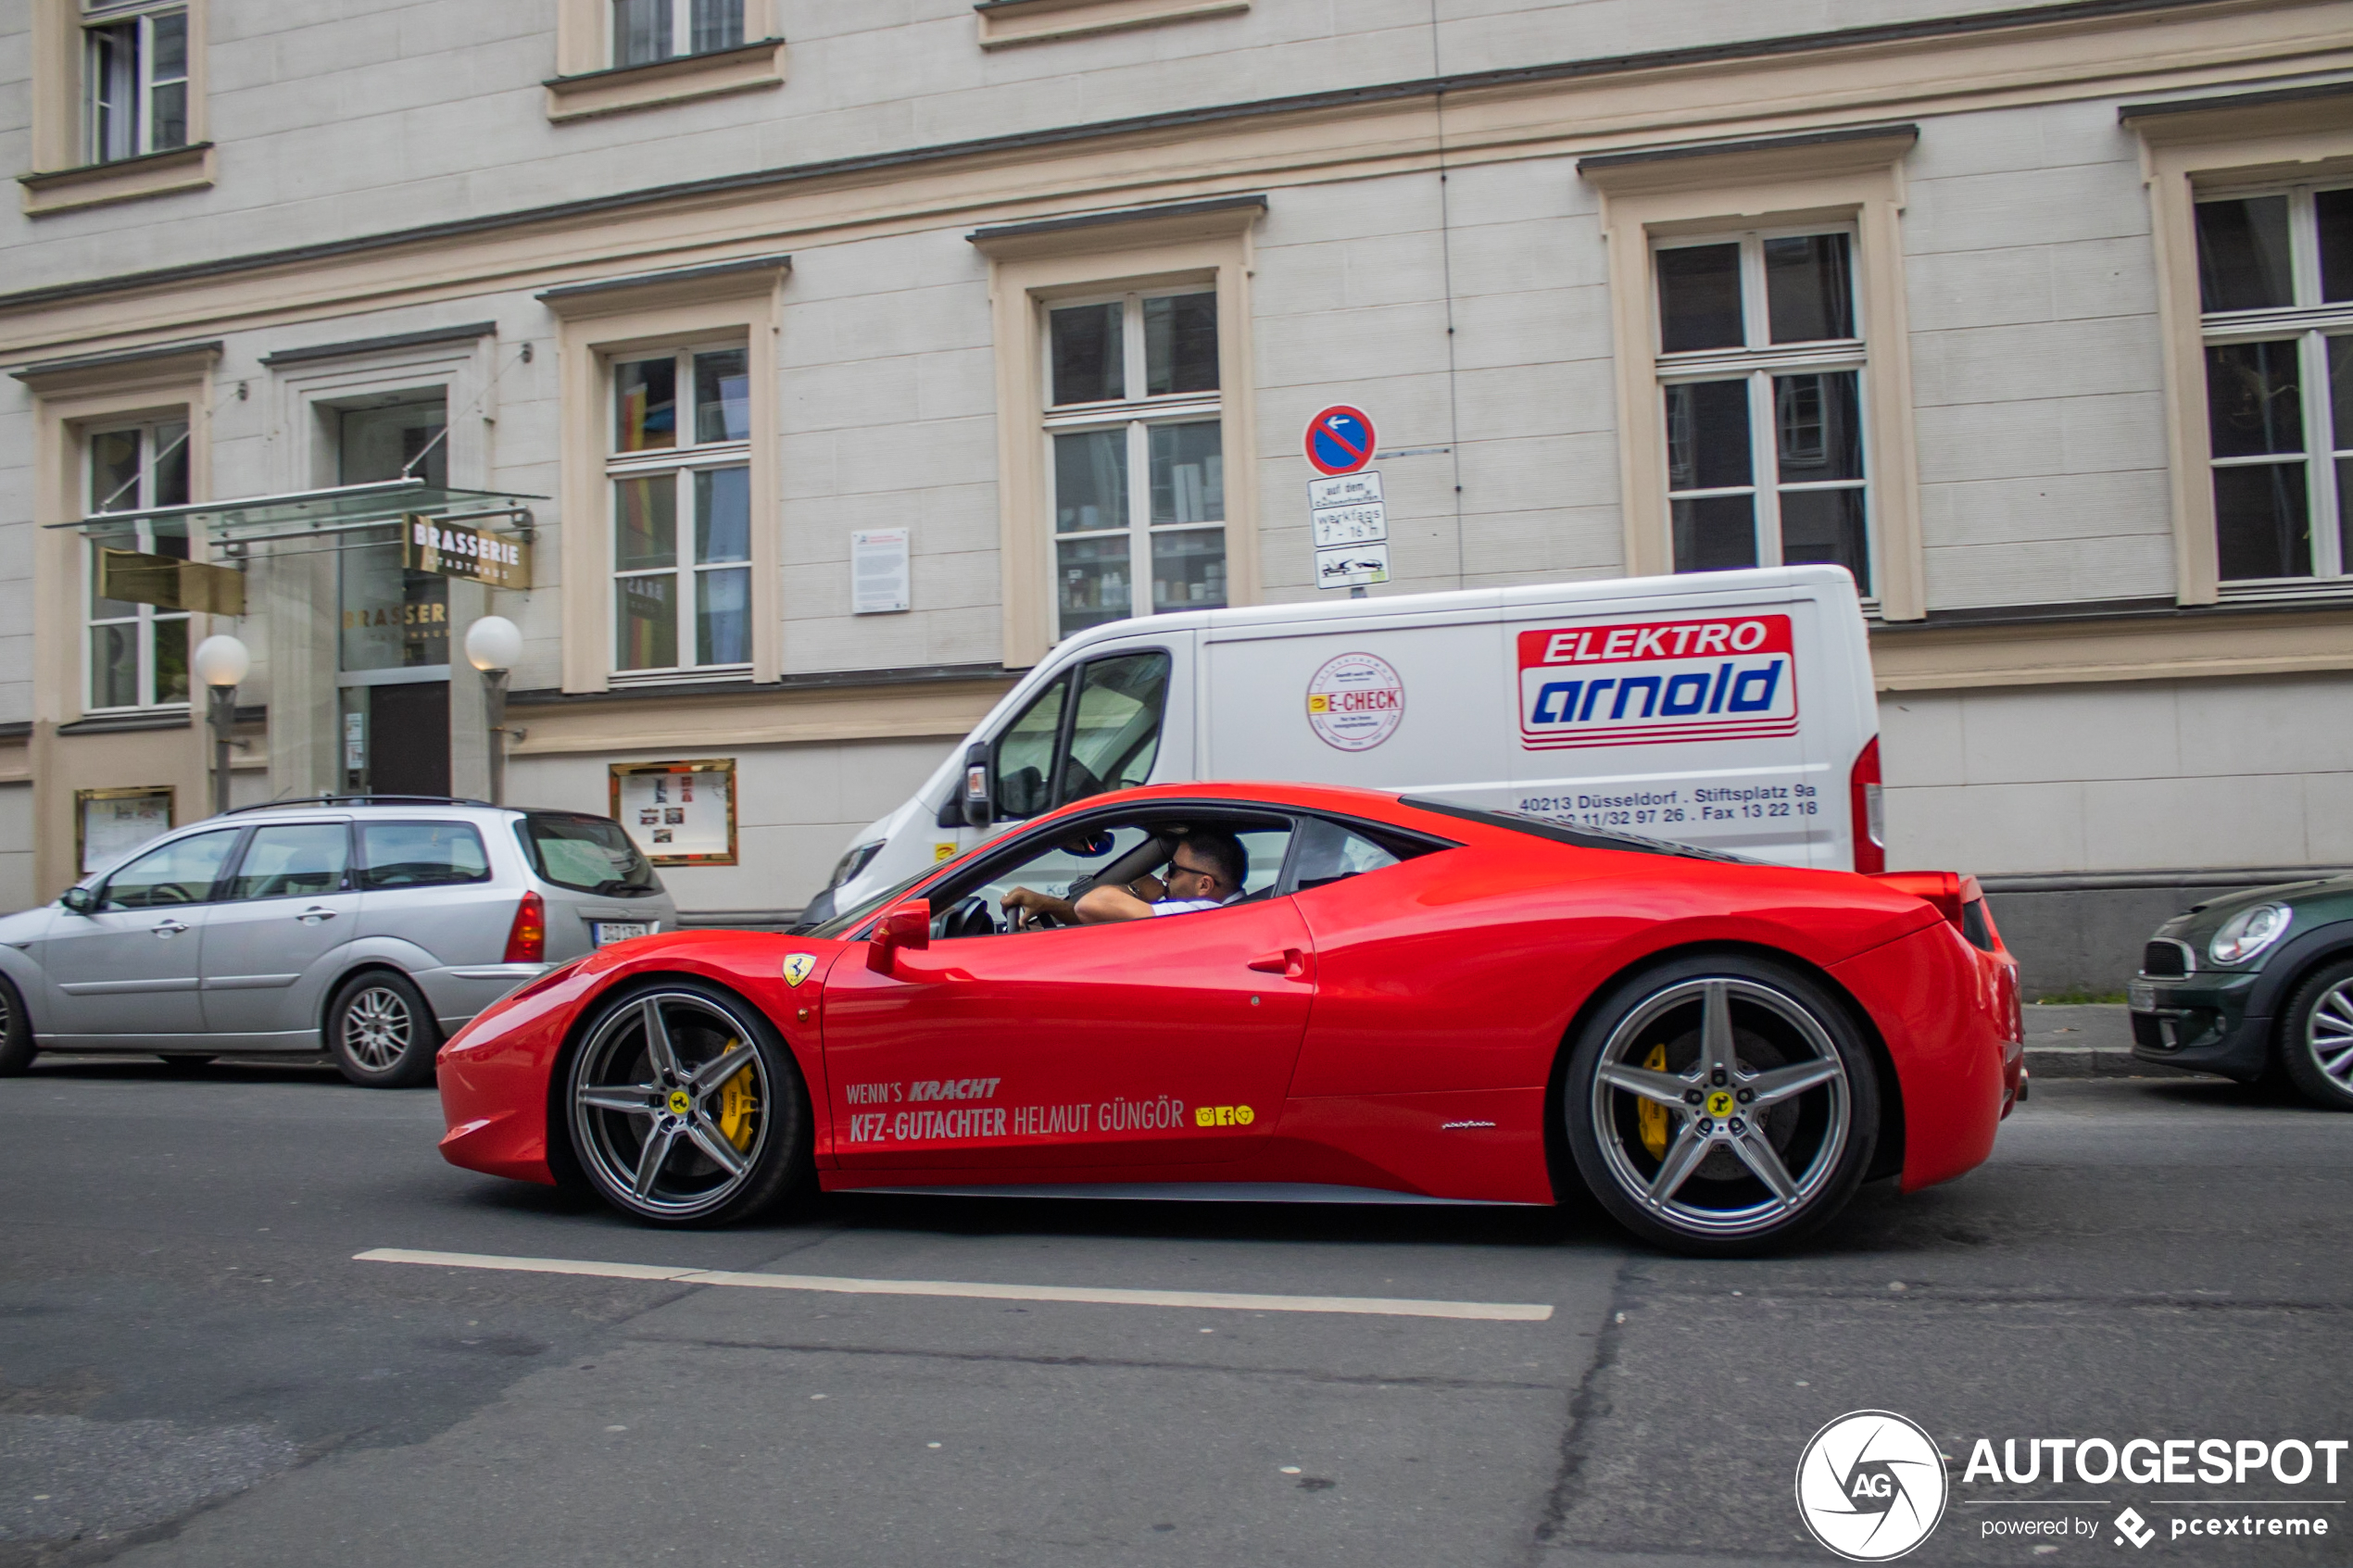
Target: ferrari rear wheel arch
(679,1104)
(1722,1101)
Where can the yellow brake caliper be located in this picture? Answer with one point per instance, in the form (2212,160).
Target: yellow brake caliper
(1649,1117)
(740,1103)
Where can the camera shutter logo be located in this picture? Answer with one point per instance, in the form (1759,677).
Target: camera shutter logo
(1870,1485)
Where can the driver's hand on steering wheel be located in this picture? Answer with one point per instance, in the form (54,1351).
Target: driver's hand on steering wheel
(1021,904)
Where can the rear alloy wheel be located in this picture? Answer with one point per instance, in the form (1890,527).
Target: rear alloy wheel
(686,1108)
(16,1050)
(381,1033)
(1721,1106)
(2315,1037)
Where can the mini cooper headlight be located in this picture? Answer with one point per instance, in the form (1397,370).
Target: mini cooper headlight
(2248,931)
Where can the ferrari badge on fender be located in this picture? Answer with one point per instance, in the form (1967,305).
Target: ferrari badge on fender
(797,967)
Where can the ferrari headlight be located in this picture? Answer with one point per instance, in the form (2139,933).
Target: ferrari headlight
(857,861)
(2248,931)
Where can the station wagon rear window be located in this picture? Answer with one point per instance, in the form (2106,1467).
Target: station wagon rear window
(420,854)
(587,855)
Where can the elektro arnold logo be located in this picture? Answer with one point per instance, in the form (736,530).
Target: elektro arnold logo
(1870,1485)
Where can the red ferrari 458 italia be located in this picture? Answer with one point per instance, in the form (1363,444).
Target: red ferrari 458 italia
(1326,994)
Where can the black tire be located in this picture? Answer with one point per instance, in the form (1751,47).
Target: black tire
(1689,1163)
(650,1104)
(2316,1036)
(381,1031)
(184,1062)
(16,1050)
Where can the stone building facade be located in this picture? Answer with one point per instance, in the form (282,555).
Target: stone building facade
(2039,316)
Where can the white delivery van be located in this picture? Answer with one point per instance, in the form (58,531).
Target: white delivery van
(1732,710)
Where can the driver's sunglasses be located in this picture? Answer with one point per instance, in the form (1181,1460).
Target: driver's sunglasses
(1176,868)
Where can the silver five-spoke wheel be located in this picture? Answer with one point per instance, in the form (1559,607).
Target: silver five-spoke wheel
(1721,1110)
(673,1106)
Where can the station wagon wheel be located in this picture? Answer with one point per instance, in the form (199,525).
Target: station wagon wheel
(2316,1036)
(1721,1107)
(381,1031)
(685,1107)
(16,1050)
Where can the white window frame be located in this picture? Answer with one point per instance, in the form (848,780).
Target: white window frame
(2310,323)
(1139,413)
(143,617)
(98,15)
(682,461)
(681,34)
(1757,362)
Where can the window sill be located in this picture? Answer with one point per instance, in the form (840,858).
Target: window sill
(117,722)
(750,67)
(701,674)
(130,179)
(1007,22)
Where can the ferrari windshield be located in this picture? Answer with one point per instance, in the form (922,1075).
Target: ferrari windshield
(851,919)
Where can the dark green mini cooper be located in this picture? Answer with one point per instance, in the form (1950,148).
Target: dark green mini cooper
(2254,983)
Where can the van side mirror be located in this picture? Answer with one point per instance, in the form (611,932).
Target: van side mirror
(902,928)
(978,808)
(81,900)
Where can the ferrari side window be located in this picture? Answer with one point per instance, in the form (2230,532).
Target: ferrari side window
(1329,853)
(1114,732)
(1025,754)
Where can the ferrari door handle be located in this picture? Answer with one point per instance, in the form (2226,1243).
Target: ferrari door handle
(168,928)
(1291,963)
(312,917)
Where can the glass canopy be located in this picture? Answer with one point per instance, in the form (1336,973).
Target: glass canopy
(318,511)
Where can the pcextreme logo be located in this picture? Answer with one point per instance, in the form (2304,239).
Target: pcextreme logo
(1870,1486)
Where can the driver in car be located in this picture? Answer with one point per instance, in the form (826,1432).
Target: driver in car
(1206,869)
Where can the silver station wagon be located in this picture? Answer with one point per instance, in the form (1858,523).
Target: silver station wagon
(371,927)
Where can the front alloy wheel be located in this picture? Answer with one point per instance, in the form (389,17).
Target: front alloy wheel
(1721,1107)
(2315,1037)
(685,1107)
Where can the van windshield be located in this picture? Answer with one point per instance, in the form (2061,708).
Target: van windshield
(1584,838)
(587,855)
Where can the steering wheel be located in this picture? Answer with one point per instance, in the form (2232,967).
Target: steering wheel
(970,918)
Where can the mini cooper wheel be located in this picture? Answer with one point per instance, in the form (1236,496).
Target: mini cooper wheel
(685,1108)
(1720,1106)
(381,1033)
(2315,1037)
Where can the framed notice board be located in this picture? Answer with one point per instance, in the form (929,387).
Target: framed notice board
(679,814)
(110,823)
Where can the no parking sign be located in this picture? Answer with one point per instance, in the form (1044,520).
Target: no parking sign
(1340,440)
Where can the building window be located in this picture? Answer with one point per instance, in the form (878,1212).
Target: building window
(1132,419)
(135,78)
(680,476)
(2275,291)
(648,30)
(1760,366)
(138,654)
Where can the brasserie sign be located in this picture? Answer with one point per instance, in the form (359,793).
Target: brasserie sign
(454,551)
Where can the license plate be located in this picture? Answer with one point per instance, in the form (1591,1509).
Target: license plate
(2140,996)
(608,931)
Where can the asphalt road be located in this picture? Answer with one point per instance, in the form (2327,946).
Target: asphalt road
(194,1370)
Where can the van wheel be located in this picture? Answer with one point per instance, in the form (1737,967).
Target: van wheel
(1720,1105)
(381,1033)
(16,1050)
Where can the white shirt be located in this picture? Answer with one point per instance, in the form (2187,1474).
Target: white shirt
(1189,906)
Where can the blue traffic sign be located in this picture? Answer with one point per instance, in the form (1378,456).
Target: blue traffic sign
(1340,440)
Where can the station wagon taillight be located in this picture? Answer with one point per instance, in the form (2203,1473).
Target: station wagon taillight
(528,938)
(1870,819)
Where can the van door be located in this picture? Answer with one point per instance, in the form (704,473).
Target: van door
(1099,726)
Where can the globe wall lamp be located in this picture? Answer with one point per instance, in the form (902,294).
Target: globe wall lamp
(221,662)
(493,644)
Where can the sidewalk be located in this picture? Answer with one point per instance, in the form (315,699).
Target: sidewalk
(2086,1042)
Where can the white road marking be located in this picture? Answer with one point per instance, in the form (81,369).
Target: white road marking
(1225,1300)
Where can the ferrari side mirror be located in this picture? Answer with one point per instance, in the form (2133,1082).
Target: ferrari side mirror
(903,927)
(81,900)
(978,806)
